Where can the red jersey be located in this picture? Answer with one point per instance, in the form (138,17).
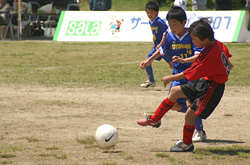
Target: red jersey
(212,64)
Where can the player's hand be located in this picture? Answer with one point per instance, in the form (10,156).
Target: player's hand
(158,46)
(166,80)
(144,64)
(177,59)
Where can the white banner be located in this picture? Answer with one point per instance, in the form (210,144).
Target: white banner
(229,26)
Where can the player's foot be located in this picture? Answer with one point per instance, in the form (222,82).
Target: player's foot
(148,84)
(200,136)
(180,146)
(149,122)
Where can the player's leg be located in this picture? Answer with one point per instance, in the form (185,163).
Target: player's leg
(149,70)
(178,105)
(183,105)
(205,96)
(150,82)
(200,135)
(163,108)
(186,145)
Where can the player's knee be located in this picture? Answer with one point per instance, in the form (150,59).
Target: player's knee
(175,91)
(190,116)
(188,103)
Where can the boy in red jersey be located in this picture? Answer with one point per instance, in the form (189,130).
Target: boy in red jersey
(212,65)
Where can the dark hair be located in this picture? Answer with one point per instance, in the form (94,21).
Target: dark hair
(152,6)
(176,12)
(202,29)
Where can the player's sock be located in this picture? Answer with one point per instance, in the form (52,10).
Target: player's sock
(163,108)
(188,132)
(149,71)
(198,124)
(183,108)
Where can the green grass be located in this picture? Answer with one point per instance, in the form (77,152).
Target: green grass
(32,139)
(234,150)
(88,140)
(52,148)
(7,156)
(110,163)
(4,149)
(99,64)
(162,155)
(56,156)
(228,115)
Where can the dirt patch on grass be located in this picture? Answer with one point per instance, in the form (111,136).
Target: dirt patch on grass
(46,125)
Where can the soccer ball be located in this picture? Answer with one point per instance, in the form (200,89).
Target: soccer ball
(106,136)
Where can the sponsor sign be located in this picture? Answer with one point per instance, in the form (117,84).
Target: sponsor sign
(229,26)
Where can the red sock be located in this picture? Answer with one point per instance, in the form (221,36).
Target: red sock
(163,108)
(188,132)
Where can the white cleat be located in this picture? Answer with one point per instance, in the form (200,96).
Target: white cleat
(200,136)
(148,84)
(180,146)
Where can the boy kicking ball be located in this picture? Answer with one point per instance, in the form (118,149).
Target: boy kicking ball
(178,43)
(212,65)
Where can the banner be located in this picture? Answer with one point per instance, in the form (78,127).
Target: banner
(229,26)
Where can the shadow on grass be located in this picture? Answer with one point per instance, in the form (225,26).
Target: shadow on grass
(233,150)
(113,152)
(223,141)
(216,141)
(239,150)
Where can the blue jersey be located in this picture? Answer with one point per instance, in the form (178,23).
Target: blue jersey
(181,46)
(158,27)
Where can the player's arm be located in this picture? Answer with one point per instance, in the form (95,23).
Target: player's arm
(230,64)
(168,79)
(162,40)
(171,65)
(185,60)
(148,61)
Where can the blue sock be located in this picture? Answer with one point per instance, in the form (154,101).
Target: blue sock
(198,124)
(184,108)
(149,71)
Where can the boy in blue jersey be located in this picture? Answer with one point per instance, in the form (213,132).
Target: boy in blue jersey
(178,45)
(158,27)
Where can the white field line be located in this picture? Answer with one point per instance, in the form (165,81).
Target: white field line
(50,68)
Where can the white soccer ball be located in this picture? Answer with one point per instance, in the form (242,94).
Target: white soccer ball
(106,136)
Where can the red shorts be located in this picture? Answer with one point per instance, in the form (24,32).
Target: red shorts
(204,95)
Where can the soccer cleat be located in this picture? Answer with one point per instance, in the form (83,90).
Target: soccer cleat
(149,122)
(180,146)
(148,84)
(200,136)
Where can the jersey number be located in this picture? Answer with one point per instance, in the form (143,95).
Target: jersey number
(183,56)
(225,62)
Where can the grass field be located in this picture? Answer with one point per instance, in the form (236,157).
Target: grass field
(94,64)
(55,94)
